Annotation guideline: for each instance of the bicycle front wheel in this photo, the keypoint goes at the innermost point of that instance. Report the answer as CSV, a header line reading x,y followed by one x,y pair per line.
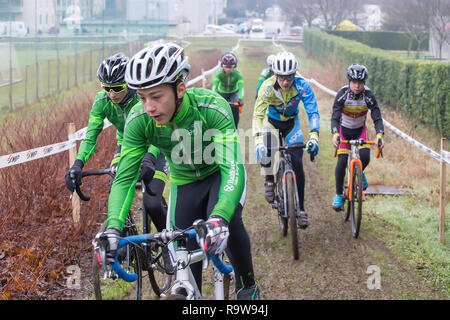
x,y
282,217
291,209
356,202
131,259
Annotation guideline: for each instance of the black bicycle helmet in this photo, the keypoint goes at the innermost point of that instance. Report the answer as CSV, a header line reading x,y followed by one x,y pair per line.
x,y
357,72
112,70
228,60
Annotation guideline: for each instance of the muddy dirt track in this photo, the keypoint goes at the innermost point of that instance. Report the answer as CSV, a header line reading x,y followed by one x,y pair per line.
x,y
332,264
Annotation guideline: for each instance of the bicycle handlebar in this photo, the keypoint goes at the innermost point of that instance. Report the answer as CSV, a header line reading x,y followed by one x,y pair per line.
x,y
165,236
294,146
360,142
99,172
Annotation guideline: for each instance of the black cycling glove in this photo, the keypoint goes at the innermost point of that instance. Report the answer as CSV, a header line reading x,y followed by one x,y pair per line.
x,y
147,169
73,176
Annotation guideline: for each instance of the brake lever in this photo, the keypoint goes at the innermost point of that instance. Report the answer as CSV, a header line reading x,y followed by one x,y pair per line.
x,y
100,241
77,188
199,228
312,157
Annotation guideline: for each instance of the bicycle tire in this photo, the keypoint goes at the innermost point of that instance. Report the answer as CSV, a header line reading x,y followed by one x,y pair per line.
x,y
159,280
282,220
345,212
176,296
135,258
226,286
291,210
356,200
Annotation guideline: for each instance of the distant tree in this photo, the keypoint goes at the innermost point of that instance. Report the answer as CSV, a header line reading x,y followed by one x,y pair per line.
x,y
440,22
300,11
334,11
237,8
411,16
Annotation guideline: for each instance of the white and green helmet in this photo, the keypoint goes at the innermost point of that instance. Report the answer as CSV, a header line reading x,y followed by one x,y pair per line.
x,y
155,65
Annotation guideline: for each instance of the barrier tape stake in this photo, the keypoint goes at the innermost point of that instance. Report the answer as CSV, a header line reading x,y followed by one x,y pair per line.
x,y
442,200
75,198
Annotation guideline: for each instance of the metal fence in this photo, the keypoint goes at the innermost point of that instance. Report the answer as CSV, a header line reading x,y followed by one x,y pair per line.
x,y
33,69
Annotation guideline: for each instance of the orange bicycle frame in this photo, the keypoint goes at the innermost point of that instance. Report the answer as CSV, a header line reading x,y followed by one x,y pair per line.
x,y
352,166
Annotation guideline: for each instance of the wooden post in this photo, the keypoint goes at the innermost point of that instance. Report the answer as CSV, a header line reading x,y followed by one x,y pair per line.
x,y
75,198
442,200
26,85
68,71
204,79
48,77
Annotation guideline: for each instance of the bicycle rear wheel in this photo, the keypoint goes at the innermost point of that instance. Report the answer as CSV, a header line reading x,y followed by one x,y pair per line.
x,y
131,259
356,203
291,209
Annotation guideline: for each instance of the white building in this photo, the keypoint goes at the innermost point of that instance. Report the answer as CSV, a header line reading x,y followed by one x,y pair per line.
x,y
192,16
38,15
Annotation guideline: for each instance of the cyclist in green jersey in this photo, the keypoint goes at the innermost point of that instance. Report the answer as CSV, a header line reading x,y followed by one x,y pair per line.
x,y
114,102
229,83
195,131
266,73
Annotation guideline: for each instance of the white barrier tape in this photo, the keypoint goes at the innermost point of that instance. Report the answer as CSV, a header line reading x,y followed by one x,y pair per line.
x,y
444,156
81,134
41,152
401,134
37,153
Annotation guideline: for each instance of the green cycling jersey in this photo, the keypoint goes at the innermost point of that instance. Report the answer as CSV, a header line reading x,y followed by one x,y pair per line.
x,y
199,141
228,83
265,74
103,108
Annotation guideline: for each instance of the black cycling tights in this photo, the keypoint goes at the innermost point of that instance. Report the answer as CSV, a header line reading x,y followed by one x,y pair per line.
x,y
231,99
341,167
154,205
196,200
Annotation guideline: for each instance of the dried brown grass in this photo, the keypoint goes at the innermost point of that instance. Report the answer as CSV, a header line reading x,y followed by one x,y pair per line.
x,y
38,237
407,165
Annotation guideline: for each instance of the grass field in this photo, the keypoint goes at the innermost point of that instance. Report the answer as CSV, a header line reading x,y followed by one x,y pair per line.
x,y
406,225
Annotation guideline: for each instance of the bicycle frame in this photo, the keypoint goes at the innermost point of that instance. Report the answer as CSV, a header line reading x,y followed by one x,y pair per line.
x,y
184,258
185,280
353,158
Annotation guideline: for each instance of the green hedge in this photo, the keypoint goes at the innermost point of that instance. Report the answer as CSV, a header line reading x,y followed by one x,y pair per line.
x,y
386,40
421,88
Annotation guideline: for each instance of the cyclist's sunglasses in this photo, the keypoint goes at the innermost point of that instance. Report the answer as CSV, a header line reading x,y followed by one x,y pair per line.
x,y
288,78
116,88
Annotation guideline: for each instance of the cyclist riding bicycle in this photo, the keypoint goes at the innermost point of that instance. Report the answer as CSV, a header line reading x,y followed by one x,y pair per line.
x,y
348,122
174,118
266,73
229,83
277,108
114,102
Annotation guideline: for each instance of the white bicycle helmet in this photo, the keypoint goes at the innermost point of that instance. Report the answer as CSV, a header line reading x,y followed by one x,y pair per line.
x,y
270,60
284,64
155,65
